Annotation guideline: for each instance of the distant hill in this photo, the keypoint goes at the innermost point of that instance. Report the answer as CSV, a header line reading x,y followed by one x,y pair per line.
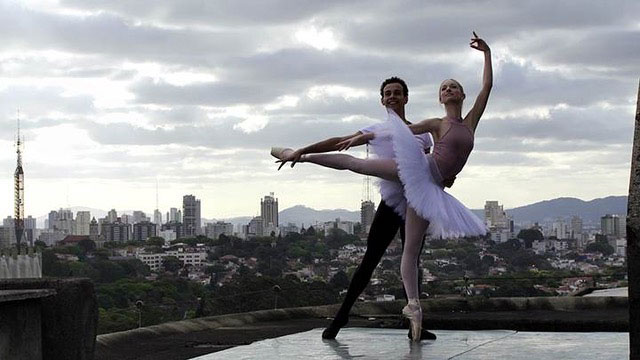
x,y
589,211
301,214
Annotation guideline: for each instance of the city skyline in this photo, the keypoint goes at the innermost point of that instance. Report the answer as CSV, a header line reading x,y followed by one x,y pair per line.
x,y
115,99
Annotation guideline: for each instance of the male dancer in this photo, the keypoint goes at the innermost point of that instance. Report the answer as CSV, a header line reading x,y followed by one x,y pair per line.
x,y
394,94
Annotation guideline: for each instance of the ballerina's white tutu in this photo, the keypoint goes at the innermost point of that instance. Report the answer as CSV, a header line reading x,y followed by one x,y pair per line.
x,y
421,181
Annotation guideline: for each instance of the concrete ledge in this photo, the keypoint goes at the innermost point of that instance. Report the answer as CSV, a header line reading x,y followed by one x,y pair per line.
x,y
17,295
213,322
69,318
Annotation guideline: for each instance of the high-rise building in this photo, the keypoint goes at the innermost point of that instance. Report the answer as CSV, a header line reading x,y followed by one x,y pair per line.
x,y
269,214
30,229
116,231
94,230
560,229
7,236
255,227
494,215
112,216
157,217
64,222
83,220
191,220
610,225
214,230
139,216
143,230
173,215
329,226
51,219
367,212
176,227
576,227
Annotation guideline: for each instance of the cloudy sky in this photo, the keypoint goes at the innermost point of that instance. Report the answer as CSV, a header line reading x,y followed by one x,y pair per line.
x,y
116,95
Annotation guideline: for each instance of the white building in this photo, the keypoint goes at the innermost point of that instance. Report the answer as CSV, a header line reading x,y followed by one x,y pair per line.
x,y
346,226
193,257
214,230
157,217
168,235
499,235
289,228
560,229
83,219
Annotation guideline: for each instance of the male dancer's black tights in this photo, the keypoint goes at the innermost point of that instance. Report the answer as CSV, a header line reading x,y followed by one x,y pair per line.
x,y
383,229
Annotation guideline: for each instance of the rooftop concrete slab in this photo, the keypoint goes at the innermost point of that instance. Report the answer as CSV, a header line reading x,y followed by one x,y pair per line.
x,y
364,343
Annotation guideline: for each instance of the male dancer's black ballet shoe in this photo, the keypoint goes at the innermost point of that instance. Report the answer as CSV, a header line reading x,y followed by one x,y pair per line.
x,y
424,335
332,330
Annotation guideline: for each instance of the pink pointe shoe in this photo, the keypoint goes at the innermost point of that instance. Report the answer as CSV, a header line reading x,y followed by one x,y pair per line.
x,y
279,152
413,312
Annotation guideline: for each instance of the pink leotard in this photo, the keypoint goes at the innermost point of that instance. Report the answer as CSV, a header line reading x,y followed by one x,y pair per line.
x,y
452,150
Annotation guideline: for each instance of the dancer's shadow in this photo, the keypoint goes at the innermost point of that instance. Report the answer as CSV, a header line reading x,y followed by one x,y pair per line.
x,y
342,350
415,351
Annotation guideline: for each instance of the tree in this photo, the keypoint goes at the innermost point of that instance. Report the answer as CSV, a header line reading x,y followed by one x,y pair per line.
x,y
340,280
154,241
601,247
108,271
171,263
86,246
134,268
488,261
529,236
310,231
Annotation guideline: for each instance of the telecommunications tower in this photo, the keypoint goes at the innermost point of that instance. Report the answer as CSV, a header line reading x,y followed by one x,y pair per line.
x,y
18,178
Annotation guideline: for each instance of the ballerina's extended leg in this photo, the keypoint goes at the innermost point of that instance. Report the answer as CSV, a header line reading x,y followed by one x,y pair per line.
x,y
382,168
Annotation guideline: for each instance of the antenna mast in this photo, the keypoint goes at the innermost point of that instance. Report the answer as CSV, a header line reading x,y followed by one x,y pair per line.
x,y
18,177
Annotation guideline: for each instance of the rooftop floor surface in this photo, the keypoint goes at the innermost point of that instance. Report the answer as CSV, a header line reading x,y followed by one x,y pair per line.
x,y
371,343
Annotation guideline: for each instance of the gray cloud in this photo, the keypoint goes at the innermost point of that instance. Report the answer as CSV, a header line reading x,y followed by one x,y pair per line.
x,y
226,13
572,124
111,35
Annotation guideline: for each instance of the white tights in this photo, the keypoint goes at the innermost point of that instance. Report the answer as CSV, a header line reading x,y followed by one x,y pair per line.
x,y
415,226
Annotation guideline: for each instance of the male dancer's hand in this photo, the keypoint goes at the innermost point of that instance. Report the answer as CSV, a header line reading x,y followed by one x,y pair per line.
x,y
294,157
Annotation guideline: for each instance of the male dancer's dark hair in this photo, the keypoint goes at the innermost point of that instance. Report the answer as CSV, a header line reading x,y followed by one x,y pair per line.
x,y
394,80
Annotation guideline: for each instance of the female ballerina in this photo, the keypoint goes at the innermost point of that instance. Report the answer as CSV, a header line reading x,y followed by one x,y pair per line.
x,y
430,209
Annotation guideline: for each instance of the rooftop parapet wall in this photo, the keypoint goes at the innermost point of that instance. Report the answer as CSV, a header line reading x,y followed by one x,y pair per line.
x,y
540,313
